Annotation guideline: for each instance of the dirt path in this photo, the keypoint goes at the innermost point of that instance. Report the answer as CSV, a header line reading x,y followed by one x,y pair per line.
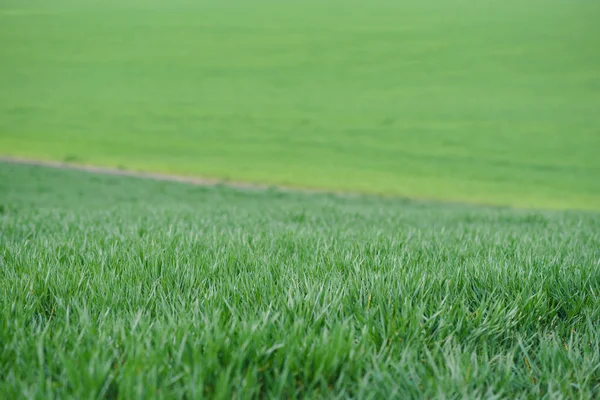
x,y
191,180
154,176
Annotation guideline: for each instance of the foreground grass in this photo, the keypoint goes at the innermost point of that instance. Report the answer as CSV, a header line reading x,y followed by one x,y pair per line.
x,y
122,288
479,101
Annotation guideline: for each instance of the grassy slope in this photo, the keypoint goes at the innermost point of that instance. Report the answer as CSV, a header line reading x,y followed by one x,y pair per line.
x,y
484,101
112,285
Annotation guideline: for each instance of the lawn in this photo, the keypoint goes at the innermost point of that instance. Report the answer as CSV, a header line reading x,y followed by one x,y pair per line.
x,y
492,102
115,287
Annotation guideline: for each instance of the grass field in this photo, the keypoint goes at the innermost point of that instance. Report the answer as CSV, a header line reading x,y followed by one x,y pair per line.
x,y
113,287
119,287
479,101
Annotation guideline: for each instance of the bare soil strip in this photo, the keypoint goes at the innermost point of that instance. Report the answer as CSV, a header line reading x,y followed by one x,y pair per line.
x,y
199,181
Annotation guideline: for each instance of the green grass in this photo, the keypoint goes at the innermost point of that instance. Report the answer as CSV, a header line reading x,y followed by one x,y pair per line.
x,y
114,287
479,101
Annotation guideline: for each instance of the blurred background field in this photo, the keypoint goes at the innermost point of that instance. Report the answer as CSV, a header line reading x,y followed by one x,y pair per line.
x,y
474,101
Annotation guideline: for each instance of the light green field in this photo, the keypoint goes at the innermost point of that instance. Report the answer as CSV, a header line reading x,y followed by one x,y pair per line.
x,y
479,101
115,287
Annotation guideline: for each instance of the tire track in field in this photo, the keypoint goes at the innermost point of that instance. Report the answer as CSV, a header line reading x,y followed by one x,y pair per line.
x,y
191,180
208,182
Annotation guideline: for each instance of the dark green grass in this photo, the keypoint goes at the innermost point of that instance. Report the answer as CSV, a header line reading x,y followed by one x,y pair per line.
x,y
480,101
114,287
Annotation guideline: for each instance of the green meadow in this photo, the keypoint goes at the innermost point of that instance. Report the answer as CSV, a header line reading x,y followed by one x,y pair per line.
x,y
115,287
494,102
450,249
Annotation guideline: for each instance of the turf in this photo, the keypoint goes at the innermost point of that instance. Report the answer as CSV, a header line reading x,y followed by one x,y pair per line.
x,y
479,101
115,287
